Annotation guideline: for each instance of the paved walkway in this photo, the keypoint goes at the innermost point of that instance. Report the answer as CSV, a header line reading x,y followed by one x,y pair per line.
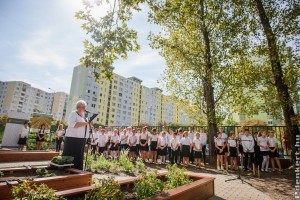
x,y
233,190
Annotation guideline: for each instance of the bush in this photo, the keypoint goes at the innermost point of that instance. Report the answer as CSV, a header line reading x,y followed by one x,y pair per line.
x,y
176,177
125,162
62,160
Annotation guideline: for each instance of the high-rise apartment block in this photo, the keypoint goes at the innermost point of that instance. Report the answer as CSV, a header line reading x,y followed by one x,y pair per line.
x,y
123,101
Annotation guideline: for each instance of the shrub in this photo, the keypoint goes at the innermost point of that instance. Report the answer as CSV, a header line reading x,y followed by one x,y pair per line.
x,y
141,167
62,160
176,177
44,172
125,162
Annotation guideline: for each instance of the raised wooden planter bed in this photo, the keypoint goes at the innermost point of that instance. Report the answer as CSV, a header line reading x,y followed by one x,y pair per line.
x,y
16,156
202,188
75,179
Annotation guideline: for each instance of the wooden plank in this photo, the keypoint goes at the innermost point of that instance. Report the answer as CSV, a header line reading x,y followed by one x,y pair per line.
x,y
15,156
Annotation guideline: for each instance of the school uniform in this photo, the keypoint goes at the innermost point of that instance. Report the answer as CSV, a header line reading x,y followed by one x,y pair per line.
x,y
41,133
102,140
143,140
220,143
149,140
137,144
263,142
248,148
163,142
241,134
114,143
94,142
191,136
232,147
169,137
132,139
203,139
123,141
198,151
272,142
174,142
154,140
23,136
186,145
224,138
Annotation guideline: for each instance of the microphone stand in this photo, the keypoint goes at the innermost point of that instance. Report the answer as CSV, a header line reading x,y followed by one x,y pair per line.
x,y
89,141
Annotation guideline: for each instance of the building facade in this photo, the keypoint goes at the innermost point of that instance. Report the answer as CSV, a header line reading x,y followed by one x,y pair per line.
x,y
122,101
22,97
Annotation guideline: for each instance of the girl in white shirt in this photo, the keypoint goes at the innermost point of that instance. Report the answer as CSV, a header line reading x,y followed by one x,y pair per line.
x,y
179,136
186,148
263,144
220,146
102,141
203,138
23,136
232,149
174,147
144,144
94,140
273,145
115,144
59,136
197,149
123,140
162,146
154,146
132,141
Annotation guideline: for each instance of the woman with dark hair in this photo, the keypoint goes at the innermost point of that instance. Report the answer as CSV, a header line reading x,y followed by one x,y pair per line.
x,y
41,137
23,136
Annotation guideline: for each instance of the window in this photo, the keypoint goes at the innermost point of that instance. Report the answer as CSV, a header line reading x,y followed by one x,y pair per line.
x,y
120,94
88,91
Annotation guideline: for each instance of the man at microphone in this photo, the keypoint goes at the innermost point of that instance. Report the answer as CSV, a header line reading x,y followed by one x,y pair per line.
x,y
248,148
76,134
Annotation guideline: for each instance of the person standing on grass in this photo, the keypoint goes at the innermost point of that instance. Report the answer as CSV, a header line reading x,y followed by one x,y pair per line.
x,y
41,137
225,139
273,145
23,136
144,144
203,139
174,147
123,139
114,148
154,146
232,150
263,144
162,147
220,146
197,144
102,141
132,140
186,148
94,140
169,137
248,149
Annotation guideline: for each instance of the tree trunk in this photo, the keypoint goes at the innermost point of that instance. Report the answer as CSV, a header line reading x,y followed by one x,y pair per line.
x,y
207,84
281,86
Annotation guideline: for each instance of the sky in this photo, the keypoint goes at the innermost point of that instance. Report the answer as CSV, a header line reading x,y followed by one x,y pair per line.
x,y
41,42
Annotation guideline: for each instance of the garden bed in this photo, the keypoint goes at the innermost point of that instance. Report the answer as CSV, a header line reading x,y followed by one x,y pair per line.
x,y
62,180
16,156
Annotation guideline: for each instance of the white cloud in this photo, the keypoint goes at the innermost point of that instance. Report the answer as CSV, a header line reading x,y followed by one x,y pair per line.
x,y
40,50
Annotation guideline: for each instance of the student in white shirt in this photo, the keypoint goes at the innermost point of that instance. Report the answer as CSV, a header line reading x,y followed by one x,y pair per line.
x,y
59,137
174,147
186,148
123,140
132,140
273,145
232,149
220,146
23,136
263,144
197,149
203,139
138,133
94,140
41,137
144,144
225,138
191,136
154,145
115,141
162,147
102,141
169,137
248,148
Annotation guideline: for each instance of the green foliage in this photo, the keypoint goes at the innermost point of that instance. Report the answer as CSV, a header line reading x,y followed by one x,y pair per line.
x,y
107,189
125,162
140,166
30,191
103,164
62,160
89,160
1,174
148,185
176,177
31,141
44,172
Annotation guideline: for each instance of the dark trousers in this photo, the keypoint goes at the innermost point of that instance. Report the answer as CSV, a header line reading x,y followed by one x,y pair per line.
x,y
170,153
58,144
75,147
204,153
93,149
191,157
246,159
174,156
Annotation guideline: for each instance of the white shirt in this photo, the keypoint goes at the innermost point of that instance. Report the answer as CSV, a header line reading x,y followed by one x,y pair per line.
x,y
160,134
174,142
144,136
138,137
264,142
203,138
224,137
241,134
150,136
197,143
232,142
272,141
102,140
76,132
154,138
131,139
219,142
169,137
179,137
115,138
163,141
24,132
191,135
60,133
185,141
123,139
94,139
248,143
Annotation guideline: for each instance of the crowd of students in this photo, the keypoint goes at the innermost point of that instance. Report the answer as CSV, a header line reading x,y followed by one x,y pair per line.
x,y
176,146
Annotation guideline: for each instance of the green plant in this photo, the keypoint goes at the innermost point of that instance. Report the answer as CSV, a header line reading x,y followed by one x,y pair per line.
x,y
44,172
62,160
102,164
105,189
125,162
176,177
30,191
89,161
148,185
141,167
1,174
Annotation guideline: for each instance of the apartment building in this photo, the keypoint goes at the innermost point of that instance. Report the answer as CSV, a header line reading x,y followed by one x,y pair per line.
x,y
59,105
122,101
22,97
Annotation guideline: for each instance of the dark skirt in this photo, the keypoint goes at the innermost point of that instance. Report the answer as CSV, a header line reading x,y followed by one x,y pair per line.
x,y
233,152
40,140
185,150
225,150
144,148
163,152
218,151
124,146
75,147
273,154
197,154
102,149
153,145
132,149
108,145
114,148
264,153
22,141
241,150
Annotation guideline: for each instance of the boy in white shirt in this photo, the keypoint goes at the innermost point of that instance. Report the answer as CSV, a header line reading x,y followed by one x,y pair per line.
x,y
174,147
248,148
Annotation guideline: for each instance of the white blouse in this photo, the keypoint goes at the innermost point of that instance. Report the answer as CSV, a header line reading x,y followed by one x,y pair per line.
x,y
154,137
197,143
132,139
24,132
219,142
60,133
174,142
203,138
272,141
232,142
264,142
144,136
102,140
114,138
191,135
122,138
185,141
163,141
76,132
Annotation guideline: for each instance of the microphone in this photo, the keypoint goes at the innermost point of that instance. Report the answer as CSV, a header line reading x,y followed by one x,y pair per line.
x,y
87,111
